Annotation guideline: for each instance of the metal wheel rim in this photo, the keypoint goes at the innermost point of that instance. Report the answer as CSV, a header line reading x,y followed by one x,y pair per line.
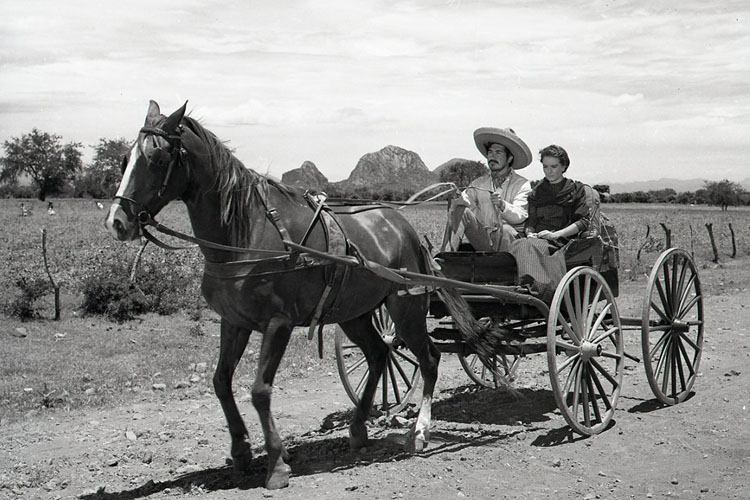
x,y
586,354
400,377
672,326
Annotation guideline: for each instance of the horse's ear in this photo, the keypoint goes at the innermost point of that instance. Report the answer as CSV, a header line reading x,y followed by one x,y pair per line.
x,y
170,126
154,113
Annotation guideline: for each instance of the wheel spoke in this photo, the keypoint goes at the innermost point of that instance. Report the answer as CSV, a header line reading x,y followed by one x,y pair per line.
x,y
664,301
667,287
684,310
585,394
611,355
602,393
403,356
660,343
572,373
688,362
607,334
605,373
586,306
592,395
572,320
661,313
592,311
566,327
394,362
690,342
394,382
567,362
356,365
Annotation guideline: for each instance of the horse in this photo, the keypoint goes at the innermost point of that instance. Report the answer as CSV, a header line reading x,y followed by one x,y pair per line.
x,y
238,218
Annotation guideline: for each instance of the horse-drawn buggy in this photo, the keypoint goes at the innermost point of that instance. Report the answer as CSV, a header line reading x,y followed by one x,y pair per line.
x,y
277,258
581,329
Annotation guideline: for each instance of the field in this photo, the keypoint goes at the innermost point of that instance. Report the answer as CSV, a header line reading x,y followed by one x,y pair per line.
x,y
95,378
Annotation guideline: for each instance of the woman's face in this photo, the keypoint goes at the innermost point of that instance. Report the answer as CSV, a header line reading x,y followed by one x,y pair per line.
x,y
553,169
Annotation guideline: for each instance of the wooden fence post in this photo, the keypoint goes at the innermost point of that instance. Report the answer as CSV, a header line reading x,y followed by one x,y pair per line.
x,y
734,244
710,229
667,234
645,241
55,286
137,259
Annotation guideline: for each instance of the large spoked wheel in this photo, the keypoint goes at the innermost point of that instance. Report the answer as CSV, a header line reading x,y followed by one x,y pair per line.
x,y
672,326
585,350
486,376
401,374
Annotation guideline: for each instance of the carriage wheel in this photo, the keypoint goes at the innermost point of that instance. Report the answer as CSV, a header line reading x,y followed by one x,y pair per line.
x,y
585,350
401,374
672,326
486,376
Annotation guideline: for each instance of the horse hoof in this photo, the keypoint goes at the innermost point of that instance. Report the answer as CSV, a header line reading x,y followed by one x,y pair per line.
x,y
358,438
416,442
279,478
241,459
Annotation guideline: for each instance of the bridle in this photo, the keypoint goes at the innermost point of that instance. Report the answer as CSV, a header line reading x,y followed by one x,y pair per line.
x,y
178,157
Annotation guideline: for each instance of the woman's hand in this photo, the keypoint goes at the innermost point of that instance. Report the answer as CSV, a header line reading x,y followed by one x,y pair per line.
x,y
548,235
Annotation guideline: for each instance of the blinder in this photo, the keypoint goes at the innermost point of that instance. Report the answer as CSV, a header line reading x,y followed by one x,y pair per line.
x,y
176,156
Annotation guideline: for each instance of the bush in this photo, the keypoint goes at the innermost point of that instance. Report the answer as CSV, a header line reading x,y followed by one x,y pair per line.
x,y
158,288
32,289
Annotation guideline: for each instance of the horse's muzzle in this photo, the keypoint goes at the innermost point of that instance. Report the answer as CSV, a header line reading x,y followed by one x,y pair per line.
x,y
118,224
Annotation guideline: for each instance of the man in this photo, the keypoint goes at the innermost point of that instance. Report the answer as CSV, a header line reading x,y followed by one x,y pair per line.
x,y
491,212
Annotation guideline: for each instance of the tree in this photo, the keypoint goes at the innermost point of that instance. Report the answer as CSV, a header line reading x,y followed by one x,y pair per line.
x,y
44,158
461,174
723,193
101,178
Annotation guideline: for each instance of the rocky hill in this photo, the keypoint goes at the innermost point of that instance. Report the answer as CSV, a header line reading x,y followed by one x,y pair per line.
x,y
389,167
306,177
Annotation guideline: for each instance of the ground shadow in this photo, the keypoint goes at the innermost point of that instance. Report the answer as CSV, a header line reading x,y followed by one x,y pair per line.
x,y
474,404
313,453
649,405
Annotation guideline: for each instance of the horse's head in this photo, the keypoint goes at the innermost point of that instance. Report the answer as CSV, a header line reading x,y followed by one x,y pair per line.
x,y
153,174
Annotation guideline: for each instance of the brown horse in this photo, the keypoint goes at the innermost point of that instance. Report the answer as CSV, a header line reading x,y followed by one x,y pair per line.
x,y
228,204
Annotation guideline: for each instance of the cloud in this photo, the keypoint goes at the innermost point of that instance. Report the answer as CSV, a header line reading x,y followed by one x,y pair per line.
x,y
624,99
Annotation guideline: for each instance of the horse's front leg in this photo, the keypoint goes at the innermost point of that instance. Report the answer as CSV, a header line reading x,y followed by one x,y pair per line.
x,y
233,343
272,349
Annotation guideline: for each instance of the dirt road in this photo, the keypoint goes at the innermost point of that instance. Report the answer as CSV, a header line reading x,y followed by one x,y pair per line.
x,y
485,444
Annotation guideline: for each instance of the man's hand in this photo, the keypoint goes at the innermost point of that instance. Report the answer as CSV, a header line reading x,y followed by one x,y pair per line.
x,y
497,201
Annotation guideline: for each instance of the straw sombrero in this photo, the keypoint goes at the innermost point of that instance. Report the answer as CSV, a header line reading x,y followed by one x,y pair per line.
x,y
486,136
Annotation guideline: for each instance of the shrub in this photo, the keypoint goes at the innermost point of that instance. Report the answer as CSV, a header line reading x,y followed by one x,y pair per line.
x,y
32,289
158,287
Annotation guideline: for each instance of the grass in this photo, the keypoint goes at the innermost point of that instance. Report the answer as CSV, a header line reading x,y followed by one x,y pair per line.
x,y
79,362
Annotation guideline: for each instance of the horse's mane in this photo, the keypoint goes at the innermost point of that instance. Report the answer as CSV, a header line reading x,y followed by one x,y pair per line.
x,y
237,185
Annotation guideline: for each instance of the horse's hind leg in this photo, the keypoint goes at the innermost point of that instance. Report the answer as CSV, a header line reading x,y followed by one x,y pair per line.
x,y
272,350
409,313
362,332
233,343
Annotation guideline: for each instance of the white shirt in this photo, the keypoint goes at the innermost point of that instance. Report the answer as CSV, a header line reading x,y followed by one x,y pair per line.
x,y
514,191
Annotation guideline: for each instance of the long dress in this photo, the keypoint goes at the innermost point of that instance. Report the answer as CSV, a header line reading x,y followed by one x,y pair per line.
x,y
541,263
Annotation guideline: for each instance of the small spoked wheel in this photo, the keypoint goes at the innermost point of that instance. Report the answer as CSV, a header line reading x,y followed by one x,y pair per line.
x,y
486,376
672,326
585,350
400,377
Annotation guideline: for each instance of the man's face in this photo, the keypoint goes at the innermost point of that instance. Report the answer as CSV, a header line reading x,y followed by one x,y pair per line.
x,y
498,159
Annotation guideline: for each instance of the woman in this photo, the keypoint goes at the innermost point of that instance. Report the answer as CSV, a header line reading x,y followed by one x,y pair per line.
x,y
557,212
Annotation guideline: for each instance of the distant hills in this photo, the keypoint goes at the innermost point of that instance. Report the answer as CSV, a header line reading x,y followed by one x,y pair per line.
x,y
679,185
394,169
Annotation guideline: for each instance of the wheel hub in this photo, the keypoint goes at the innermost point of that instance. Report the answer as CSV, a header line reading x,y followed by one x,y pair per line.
x,y
590,350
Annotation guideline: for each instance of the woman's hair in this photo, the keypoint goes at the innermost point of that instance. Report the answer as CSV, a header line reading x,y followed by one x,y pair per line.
x,y
555,152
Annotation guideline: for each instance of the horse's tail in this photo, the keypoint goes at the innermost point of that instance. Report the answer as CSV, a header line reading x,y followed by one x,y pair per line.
x,y
486,339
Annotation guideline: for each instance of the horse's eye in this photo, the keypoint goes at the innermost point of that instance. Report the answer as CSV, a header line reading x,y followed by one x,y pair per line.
x,y
124,164
159,158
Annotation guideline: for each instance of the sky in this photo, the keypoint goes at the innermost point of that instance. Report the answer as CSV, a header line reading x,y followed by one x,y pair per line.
x,y
633,90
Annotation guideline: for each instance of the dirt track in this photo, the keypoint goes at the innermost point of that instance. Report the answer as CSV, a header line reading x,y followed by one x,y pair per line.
x,y
485,444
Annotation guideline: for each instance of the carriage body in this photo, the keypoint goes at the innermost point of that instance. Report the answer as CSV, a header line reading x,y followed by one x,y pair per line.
x,y
580,330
